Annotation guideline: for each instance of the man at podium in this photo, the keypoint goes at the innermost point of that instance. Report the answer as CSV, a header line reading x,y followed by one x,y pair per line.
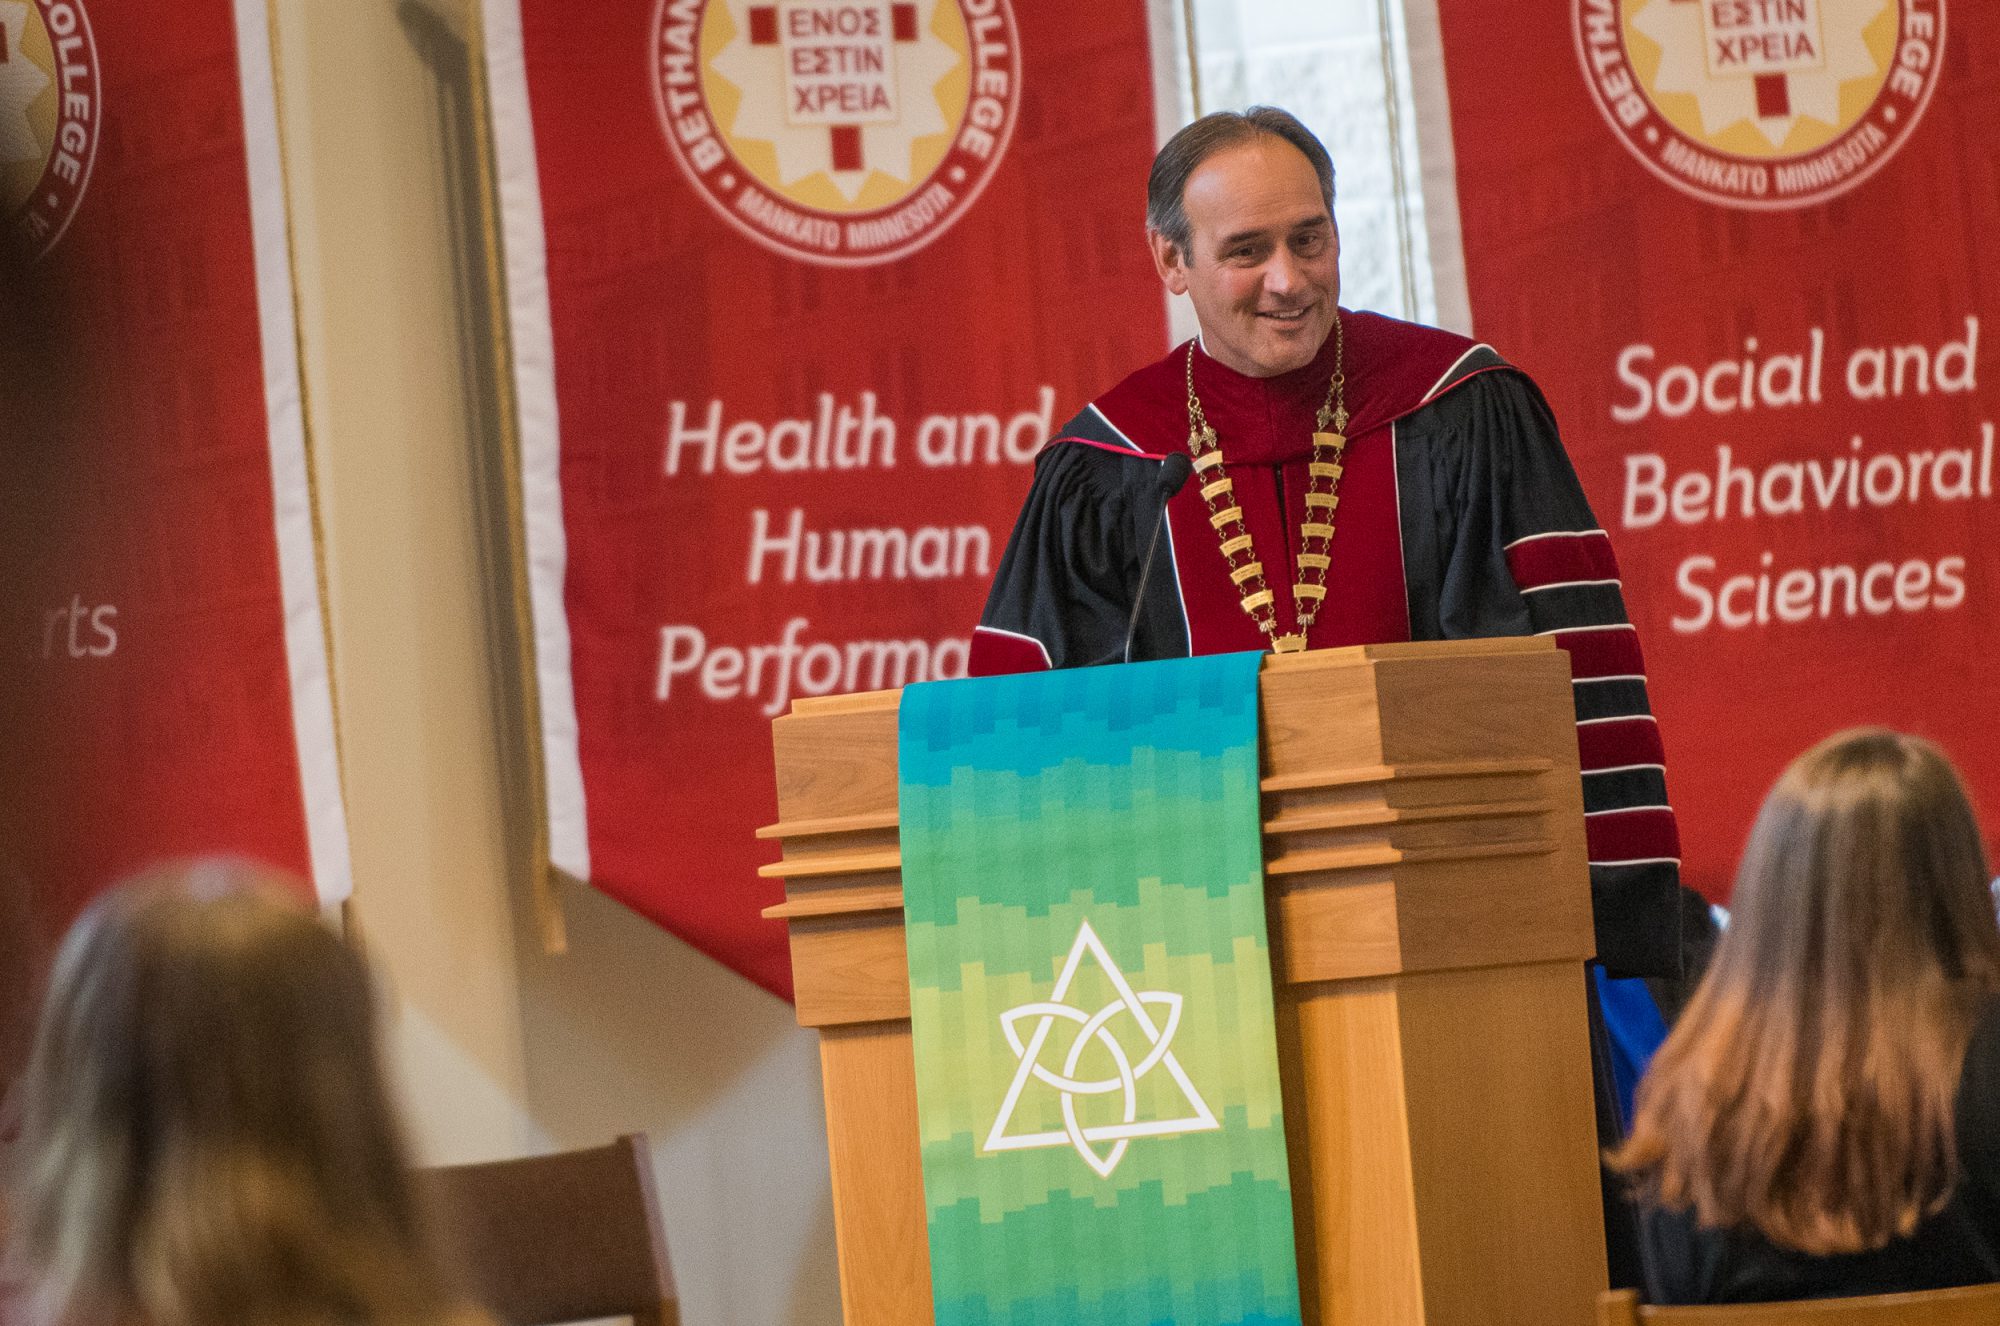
x,y
1354,480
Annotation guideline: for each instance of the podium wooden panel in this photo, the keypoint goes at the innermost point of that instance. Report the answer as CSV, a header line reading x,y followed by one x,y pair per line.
x,y
1430,914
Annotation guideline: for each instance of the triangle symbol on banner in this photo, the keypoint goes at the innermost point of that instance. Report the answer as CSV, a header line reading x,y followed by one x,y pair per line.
x,y
1155,1014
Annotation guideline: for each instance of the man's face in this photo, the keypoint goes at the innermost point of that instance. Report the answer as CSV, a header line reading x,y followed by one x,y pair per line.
x,y
1264,263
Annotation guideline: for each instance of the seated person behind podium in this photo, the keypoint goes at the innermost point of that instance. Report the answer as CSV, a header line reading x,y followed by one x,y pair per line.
x,y
207,1137
1825,1118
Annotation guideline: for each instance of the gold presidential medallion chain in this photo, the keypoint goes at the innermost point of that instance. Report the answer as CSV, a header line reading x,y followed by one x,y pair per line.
x,y
1239,554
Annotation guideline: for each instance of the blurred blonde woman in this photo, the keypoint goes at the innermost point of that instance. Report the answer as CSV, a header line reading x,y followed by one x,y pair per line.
x,y
207,1139
1825,1118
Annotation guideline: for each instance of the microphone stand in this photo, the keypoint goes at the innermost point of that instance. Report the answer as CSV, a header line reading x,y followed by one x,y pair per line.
x,y
1174,473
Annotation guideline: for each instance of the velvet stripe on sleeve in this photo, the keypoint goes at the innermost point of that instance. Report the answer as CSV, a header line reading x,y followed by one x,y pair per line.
x,y
1522,553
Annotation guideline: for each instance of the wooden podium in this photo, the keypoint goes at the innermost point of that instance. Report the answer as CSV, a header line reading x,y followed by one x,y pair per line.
x,y
1429,919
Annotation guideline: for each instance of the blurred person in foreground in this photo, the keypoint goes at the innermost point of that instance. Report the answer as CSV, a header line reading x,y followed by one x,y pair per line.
x,y
207,1138
1825,1118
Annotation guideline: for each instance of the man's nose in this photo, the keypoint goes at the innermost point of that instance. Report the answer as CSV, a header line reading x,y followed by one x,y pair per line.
x,y
1281,273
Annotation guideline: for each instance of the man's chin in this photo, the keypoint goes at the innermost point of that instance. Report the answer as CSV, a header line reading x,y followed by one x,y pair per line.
x,y
1286,348
1288,353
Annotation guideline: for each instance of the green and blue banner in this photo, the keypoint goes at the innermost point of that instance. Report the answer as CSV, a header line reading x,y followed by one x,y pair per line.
x,y
1090,993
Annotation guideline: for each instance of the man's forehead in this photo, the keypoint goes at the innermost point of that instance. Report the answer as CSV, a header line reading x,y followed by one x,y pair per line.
x,y
1259,185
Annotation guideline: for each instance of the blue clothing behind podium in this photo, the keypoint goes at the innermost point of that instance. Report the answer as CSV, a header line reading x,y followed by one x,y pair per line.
x,y
1636,1030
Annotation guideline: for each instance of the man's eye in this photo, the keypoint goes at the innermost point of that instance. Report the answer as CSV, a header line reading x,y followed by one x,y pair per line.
x,y
1312,243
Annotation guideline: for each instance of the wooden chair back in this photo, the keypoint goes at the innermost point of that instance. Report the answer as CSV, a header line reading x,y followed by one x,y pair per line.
x,y
568,1237
1974,1305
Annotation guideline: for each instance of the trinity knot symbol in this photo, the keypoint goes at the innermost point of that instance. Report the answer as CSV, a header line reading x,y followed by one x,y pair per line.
x,y
844,132
1761,103
49,114
1153,1017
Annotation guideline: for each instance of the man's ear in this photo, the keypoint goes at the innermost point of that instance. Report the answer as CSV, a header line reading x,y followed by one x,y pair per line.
x,y
1168,262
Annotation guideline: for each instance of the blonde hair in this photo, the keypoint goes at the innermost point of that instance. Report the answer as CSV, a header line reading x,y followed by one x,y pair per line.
x,y
1808,1090
207,1136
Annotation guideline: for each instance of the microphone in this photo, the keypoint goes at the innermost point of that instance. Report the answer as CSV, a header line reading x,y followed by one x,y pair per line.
x,y
1175,471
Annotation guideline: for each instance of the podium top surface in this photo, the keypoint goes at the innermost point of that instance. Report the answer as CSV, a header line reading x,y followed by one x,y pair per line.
x,y
1274,664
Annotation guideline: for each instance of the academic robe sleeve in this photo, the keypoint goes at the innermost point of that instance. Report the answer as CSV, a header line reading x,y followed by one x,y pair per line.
x,y
1524,555
1062,595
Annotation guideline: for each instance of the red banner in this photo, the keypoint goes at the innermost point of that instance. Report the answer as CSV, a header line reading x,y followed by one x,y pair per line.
x,y
165,681
1745,247
799,289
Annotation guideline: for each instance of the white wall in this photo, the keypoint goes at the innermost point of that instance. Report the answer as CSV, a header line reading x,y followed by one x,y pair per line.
x,y
1323,60
501,1048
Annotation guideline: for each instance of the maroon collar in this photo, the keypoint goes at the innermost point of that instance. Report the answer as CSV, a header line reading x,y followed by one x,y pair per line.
x,y
1262,421
1392,368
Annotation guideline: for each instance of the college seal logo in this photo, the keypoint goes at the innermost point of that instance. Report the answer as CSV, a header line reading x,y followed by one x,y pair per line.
x,y
844,132
50,108
1761,103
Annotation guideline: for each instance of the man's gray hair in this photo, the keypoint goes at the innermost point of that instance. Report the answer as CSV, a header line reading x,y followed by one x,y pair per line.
x,y
1166,186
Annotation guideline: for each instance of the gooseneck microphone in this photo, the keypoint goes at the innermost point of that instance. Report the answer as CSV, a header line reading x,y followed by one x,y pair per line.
x,y
1173,476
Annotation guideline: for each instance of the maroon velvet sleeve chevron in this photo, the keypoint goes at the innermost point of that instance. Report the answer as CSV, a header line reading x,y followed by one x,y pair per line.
x,y
1605,744
1540,561
1603,651
1640,833
1569,579
1563,565
997,653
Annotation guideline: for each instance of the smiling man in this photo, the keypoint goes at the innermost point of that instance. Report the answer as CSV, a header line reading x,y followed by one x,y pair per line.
x,y
1356,480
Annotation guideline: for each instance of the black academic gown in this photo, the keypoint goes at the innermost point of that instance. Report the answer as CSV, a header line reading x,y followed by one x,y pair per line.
x,y
1460,516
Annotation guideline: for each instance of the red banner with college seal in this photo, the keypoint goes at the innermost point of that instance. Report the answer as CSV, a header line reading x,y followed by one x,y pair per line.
x,y
798,289
1744,247
163,677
